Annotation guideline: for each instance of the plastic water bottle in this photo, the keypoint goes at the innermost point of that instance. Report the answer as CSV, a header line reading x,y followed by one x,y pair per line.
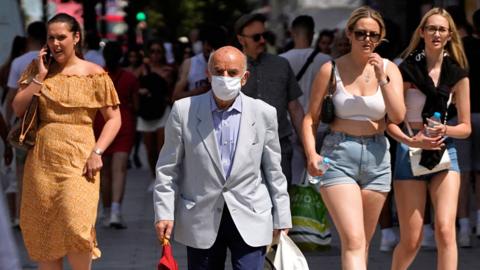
x,y
437,118
322,166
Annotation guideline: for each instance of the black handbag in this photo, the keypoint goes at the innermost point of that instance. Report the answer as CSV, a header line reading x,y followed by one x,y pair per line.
x,y
24,133
327,114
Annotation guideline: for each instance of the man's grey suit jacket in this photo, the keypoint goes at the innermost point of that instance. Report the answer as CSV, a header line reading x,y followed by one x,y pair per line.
x,y
191,188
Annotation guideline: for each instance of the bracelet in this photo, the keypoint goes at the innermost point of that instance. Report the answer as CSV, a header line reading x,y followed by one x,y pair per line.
x,y
445,132
97,151
34,80
384,82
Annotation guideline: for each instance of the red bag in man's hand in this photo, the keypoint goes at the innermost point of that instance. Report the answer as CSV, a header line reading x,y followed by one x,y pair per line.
x,y
167,262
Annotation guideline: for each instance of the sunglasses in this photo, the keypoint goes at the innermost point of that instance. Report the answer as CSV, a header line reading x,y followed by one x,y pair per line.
x,y
256,37
431,29
362,35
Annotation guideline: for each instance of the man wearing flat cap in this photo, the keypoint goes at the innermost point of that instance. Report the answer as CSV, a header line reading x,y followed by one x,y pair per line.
x,y
271,80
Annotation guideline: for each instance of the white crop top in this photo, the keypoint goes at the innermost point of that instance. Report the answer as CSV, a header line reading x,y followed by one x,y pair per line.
x,y
414,102
361,108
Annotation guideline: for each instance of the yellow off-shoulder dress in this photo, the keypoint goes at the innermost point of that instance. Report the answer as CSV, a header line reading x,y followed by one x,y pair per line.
x,y
59,204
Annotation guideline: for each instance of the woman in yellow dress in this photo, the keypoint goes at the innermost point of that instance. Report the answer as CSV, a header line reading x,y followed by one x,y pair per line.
x,y
61,180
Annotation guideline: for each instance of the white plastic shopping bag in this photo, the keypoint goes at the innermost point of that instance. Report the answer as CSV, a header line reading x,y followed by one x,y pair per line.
x,y
288,256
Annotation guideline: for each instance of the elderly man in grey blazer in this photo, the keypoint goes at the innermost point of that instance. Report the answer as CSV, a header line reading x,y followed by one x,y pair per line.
x,y
219,180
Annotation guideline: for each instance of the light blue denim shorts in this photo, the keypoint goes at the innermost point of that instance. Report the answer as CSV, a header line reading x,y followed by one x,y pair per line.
x,y
361,160
403,169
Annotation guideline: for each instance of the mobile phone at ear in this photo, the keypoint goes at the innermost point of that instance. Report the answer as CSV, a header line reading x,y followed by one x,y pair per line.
x,y
47,57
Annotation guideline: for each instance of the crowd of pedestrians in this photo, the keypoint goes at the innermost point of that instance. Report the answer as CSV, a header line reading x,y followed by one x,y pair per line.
x,y
228,130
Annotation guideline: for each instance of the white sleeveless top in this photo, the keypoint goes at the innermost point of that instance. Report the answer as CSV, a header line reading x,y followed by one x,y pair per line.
x,y
360,108
414,102
198,71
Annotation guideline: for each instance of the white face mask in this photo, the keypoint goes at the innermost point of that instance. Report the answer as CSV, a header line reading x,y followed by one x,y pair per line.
x,y
226,88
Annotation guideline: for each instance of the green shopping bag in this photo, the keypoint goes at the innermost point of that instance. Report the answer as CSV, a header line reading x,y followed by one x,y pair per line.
x,y
310,230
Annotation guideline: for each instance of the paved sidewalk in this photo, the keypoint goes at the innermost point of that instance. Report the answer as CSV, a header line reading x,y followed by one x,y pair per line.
x,y
136,248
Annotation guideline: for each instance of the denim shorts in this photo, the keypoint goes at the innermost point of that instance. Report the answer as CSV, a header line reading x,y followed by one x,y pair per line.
x,y
361,160
403,170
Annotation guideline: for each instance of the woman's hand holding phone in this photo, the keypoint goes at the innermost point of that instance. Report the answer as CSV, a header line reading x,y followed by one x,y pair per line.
x,y
44,57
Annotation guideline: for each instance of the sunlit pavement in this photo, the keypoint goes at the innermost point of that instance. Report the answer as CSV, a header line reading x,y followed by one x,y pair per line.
x,y
136,247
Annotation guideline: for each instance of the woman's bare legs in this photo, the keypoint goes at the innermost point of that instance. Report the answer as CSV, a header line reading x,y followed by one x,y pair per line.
x,y
410,198
52,265
344,203
444,188
80,261
373,202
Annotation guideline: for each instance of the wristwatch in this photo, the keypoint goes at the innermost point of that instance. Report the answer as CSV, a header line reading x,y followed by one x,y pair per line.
x,y
384,81
98,151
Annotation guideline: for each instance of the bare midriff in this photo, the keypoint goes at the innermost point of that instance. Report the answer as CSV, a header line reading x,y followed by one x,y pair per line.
x,y
358,128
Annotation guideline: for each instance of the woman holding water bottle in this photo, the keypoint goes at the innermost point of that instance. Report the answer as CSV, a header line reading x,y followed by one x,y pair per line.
x,y
434,74
368,88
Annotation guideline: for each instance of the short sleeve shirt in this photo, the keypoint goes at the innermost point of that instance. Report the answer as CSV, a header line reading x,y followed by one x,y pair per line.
x,y
272,80
297,59
19,64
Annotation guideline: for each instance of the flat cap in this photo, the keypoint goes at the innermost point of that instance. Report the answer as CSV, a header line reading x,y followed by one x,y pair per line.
x,y
246,20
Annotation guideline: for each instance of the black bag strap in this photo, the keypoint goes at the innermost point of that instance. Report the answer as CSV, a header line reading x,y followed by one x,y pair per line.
x,y
307,64
332,83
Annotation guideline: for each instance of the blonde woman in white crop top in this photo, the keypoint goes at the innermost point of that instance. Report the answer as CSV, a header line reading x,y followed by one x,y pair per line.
x,y
369,89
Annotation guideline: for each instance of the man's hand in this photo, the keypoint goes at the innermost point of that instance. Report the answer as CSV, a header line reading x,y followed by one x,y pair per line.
x,y
164,229
276,234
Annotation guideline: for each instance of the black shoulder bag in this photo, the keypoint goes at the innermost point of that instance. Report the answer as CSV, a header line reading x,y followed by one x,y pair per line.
x,y
306,65
328,109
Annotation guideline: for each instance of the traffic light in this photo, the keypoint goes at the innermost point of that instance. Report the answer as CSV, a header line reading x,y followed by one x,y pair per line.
x,y
141,16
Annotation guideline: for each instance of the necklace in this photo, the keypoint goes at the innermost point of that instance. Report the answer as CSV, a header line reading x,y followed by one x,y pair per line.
x,y
366,76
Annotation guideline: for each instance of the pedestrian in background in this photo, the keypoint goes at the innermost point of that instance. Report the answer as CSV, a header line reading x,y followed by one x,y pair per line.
x,y
468,150
36,38
115,157
305,62
134,64
19,47
61,183
341,44
434,68
9,259
154,102
368,89
192,79
325,41
271,80
219,181
93,51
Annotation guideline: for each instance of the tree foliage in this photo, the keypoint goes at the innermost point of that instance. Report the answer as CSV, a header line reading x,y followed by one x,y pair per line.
x,y
178,17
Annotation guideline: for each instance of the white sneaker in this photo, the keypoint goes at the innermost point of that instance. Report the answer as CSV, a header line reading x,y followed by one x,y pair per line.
x,y
388,243
16,223
428,240
116,221
464,239
105,218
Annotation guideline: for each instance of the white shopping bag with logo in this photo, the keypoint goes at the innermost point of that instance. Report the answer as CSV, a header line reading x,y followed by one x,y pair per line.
x,y
288,256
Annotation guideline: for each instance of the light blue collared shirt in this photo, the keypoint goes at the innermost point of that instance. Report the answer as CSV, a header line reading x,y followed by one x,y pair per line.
x,y
226,124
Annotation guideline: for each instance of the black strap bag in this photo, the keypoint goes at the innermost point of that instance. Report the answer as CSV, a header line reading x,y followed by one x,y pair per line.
x,y
327,114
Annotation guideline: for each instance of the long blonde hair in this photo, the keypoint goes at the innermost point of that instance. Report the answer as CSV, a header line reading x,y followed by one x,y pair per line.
x,y
454,47
366,12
